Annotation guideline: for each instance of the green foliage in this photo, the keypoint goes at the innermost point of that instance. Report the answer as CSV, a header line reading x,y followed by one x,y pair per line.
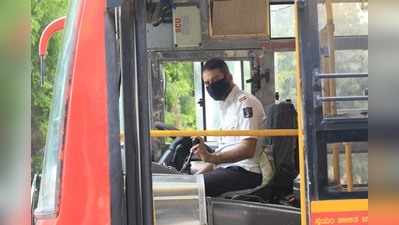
x,y
285,75
43,12
179,94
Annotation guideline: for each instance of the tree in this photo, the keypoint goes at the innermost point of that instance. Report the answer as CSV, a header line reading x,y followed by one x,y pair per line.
x,y
179,94
43,12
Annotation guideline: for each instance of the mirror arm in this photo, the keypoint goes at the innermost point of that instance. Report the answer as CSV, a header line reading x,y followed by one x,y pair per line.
x,y
48,32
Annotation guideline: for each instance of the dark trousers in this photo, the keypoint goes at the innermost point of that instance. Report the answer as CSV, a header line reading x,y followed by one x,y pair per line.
x,y
228,179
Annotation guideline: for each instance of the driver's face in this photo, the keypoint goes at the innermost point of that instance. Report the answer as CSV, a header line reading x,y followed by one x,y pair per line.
x,y
211,76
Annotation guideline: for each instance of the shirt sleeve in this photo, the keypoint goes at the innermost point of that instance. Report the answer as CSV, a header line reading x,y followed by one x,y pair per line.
x,y
251,116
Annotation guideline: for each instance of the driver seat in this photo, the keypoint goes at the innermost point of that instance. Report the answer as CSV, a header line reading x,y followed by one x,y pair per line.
x,y
267,174
285,159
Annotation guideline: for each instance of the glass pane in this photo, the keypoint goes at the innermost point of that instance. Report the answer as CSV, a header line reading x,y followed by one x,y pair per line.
x,y
359,164
247,76
352,61
50,183
180,105
285,83
235,70
350,18
282,21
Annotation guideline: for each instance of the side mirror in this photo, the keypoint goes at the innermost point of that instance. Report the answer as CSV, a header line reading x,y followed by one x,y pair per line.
x,y
48,32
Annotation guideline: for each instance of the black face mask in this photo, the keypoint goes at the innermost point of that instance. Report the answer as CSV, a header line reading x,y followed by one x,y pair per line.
x,y
219,90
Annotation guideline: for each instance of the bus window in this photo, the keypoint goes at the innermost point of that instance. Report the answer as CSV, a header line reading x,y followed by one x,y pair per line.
x,y
349,171
350,18
247,75
284,64
282,20
344,55
352,61
179,95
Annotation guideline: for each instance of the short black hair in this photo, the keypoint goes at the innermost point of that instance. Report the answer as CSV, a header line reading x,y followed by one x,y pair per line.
x,y
217,63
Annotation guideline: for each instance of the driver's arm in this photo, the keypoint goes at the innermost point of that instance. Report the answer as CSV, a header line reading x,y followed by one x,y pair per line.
x,y
244,150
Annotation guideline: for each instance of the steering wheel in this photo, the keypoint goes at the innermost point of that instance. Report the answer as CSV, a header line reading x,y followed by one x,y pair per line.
x,y
178,155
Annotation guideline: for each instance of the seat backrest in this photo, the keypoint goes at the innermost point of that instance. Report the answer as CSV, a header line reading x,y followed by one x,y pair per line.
x,y
284,116
284,151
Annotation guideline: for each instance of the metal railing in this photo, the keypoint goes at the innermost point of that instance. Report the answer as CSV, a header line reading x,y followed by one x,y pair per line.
x,y
340,75
343,98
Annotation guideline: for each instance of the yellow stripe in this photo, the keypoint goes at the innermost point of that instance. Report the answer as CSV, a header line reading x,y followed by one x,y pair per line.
x,y
340,205
219,133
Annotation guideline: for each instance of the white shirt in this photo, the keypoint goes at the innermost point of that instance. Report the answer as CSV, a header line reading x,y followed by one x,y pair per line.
x,y
241,111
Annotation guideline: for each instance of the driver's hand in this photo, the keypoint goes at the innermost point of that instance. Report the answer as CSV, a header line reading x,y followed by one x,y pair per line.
x,y
201,151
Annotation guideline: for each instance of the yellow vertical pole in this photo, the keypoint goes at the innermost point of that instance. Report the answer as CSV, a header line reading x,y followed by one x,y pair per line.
x,y
331,84
325,67
301,137
336,165
331,58
348,167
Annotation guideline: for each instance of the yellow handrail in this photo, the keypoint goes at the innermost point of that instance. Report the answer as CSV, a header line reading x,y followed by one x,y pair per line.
x,y
219,133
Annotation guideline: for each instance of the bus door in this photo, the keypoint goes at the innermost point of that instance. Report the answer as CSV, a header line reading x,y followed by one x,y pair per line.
x,y
333,54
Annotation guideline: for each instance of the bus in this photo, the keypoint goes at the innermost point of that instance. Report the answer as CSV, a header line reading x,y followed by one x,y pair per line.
x,y
128,64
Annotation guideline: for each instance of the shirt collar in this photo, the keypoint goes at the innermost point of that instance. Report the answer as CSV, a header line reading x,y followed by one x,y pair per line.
x,y
232,96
